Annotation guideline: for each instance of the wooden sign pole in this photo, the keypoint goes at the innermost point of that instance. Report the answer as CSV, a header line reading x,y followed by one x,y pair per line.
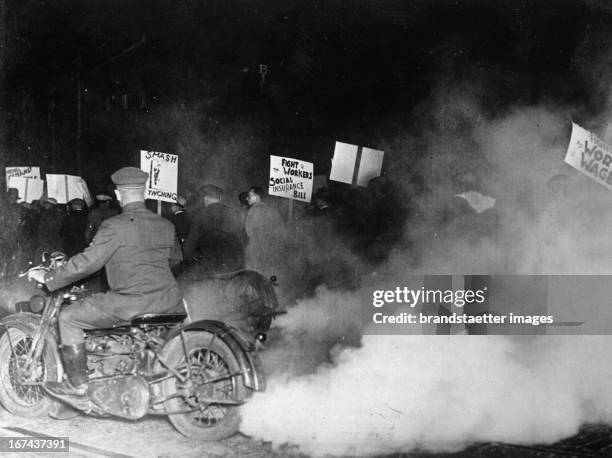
x,y
66,187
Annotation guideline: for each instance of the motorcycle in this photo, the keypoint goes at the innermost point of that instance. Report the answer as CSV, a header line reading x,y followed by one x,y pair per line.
x,y
196,373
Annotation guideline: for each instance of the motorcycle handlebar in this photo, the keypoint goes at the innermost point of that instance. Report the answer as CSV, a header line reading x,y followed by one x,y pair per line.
x,y
31,269
50,262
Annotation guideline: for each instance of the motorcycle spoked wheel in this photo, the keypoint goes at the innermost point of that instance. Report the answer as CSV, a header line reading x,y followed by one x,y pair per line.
x,y
18,399
209,358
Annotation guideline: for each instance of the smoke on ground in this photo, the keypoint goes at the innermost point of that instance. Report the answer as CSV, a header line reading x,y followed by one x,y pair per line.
x,y
399,393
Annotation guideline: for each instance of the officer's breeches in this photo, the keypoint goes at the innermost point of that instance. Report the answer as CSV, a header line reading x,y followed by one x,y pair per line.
x,y
81,315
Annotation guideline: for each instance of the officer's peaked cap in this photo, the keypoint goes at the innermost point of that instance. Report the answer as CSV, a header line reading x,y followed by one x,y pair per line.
x,y
129,177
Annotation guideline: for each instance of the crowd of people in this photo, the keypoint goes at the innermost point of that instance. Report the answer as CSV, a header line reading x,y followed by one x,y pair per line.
x,y
29,229
218,237
311,244
213,234
221,233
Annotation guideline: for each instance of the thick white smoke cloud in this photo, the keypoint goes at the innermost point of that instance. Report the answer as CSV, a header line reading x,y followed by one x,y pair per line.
x,y
311,331
399,393
537,225
543,202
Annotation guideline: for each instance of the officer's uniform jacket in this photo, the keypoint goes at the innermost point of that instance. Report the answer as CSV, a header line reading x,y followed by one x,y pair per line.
x,y
137,247
96,216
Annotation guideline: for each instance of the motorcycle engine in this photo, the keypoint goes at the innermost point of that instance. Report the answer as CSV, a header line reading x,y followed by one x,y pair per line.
x,y
114,387
112,355
125,396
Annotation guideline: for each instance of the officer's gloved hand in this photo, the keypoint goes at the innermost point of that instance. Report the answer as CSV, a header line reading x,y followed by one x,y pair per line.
x,y
38,275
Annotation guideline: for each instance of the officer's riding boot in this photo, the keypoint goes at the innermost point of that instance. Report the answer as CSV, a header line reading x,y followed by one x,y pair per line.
x,y
74,358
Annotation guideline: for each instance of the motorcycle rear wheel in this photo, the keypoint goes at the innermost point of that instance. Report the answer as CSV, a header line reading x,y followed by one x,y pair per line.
x,y
209,358
20,399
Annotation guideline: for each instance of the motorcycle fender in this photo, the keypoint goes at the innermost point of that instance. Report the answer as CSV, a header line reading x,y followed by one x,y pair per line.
x,y
247,359
29,322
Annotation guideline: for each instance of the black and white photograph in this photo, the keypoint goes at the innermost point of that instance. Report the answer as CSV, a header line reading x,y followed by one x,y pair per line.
x,y
306,228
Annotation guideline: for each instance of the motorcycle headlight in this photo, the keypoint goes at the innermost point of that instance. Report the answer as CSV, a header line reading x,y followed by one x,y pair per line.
x,y
37,303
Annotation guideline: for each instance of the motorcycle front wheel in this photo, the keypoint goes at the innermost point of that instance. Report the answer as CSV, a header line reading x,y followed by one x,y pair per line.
x,y
25,397
210,374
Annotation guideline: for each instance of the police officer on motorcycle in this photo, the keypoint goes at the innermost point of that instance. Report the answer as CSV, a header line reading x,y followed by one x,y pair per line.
x,y
137,248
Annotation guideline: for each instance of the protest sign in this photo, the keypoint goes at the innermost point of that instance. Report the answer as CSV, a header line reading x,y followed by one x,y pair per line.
x,y
290,178
343,163
21,171
29,188
64,188
162,168
370,165
590,155
353,164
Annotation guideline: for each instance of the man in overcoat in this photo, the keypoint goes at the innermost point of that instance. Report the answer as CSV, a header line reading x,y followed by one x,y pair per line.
x,y
266,234
216,236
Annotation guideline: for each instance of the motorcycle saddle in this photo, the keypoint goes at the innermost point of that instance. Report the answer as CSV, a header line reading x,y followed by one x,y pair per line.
x,y
145,319
154,319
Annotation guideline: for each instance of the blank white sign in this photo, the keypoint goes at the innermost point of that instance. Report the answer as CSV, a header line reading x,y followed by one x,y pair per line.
x,y
343,163
370,165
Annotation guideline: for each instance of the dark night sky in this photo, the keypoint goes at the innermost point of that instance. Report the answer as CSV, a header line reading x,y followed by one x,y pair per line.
x,y
337,70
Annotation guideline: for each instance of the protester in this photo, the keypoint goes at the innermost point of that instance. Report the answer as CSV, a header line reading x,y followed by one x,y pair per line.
x,y
11,225
180,218
51,218
73,227
216,237
243,201
266,234
31,220
102,211
320,204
